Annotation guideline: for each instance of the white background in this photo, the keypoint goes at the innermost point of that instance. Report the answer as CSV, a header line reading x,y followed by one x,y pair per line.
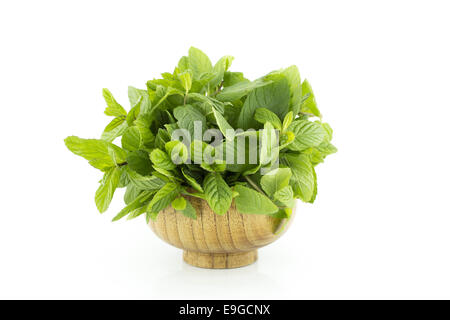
x,y
380,227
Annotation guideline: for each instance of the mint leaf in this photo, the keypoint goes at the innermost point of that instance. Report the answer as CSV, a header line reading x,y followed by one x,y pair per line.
x,y
274,97
100,154
250,201
217,192
293,77
275,180
163,197
105,192
148,183
307,134
286,196
161,160
113,107
132,139
264,115
179,204
189,211
309,104
114,129
223,125
219,70
190,180
187,115
240,89
199,62
302,180
139,161
140,201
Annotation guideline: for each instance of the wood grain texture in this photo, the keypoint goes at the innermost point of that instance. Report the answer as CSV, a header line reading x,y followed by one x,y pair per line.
x,y
214,241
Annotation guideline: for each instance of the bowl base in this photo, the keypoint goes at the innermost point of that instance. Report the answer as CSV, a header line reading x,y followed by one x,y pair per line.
x,y
220,260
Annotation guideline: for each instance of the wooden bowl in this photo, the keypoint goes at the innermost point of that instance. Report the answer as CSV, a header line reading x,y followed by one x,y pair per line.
x,y
214,241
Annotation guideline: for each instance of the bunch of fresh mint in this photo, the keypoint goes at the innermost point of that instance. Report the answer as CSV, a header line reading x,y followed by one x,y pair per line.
x,y
207,132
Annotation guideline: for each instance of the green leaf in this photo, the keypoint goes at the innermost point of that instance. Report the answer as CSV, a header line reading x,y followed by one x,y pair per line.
x,y
223,125
139,161
265,115
135,204
309,104
161,160
293,77
240,89
269,145
189,211
286,196
191,181
131,193
186,116
275,180
186,80
113,107
199,62
163,197
217,192
108,186
100,154
114,129
179,204
132,139
274,97
148,183
219,70
307,134
287,120
302,180
250,201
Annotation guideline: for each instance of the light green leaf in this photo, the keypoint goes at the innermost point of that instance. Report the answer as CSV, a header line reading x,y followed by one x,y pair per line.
x,y
217,192
274,96
275,180
161,160
163,197
287,120
186,80
286,196
100,154
187,115
223,125
309,104
132,139
265,115
139,161
179,204
192,181
293,77
114,129
199,62
140,201
250,201
302,180
177,151
131,193
113,107
240,89
189,211
219,70
307,134
108,186
148,183
269,145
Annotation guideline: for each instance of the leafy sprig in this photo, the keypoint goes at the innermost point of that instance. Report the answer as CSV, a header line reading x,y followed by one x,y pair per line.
x,y
219,99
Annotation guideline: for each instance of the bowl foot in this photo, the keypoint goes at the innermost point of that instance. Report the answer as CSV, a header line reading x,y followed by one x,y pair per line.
x,y
220,260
